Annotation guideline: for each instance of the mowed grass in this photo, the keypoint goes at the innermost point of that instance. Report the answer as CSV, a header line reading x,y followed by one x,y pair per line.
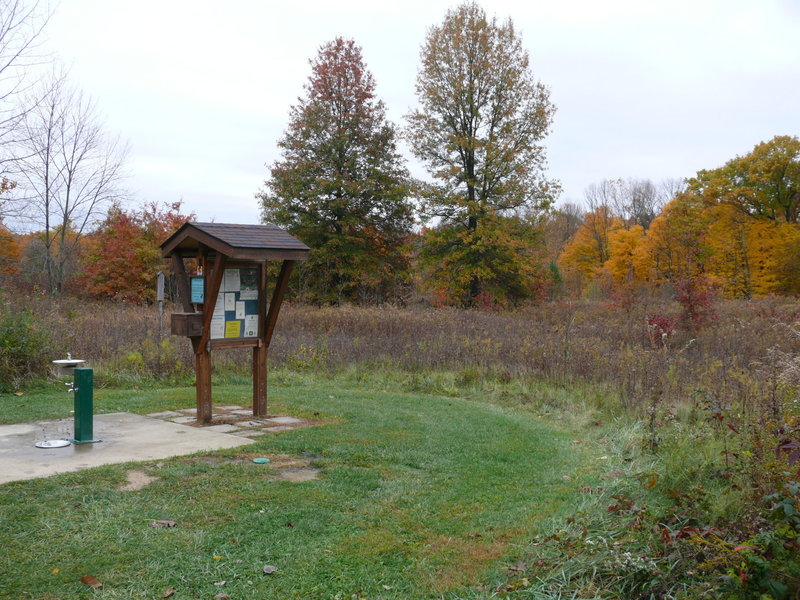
x,y
418,496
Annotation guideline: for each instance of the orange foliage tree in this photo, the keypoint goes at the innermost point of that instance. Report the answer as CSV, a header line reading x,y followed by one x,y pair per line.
x,y
9,252
122,257
589,248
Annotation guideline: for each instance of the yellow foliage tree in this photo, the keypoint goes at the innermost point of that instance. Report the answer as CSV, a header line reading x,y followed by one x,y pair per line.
x,y
627,262
589,248
676,246
728,238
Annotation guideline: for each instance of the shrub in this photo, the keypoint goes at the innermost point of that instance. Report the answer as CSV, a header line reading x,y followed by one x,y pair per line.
x,y
696,296
26,349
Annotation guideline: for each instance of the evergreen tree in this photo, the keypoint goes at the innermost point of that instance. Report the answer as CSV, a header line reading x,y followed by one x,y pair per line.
x,y
341,185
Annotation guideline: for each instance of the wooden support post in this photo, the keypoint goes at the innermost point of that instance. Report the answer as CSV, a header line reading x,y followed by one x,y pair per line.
x,y
202,366
265,334
277,300
260,381
260,351
202,354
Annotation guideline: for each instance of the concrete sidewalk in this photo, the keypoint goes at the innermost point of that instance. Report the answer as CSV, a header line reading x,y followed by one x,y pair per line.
x,y
125,437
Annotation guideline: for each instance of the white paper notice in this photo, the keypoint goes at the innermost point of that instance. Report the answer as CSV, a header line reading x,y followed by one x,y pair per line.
x,y
248,295
231,281
240,310
230,301
217,328
251,326
218,318
219,307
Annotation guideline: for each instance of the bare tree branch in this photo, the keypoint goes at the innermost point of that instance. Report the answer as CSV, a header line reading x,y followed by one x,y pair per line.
x,y
67,169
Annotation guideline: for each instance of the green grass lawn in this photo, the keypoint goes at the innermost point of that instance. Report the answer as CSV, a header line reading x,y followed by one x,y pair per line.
x,y
418,496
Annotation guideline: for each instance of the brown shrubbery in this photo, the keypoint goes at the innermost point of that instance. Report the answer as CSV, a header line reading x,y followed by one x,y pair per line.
x,y
739,357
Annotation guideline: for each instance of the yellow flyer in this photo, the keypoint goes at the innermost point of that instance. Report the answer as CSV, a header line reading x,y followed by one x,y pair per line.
x,y
233,329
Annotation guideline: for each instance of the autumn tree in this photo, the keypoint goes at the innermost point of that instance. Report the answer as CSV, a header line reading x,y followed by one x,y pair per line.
x,y
559,225
9,252
67,170
122,256
479,130
507,261
763,184
589,249
627,261
341,185
676,242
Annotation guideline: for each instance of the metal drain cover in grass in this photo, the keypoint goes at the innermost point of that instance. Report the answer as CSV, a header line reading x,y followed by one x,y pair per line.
x,y
52,444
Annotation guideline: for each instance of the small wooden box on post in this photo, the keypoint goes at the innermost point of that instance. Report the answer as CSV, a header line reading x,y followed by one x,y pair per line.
x,y
227,306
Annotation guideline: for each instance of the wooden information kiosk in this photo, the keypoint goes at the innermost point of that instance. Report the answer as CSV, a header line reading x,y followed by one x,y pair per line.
x,y
225,304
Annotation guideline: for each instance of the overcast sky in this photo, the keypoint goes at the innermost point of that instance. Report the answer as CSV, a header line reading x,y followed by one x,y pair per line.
x,y
654,89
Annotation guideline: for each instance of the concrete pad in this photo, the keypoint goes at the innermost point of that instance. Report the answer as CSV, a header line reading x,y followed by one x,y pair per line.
x,y
164,414
182,420
229,408
250,432
125,437
285,420
222,428
188,411
242,411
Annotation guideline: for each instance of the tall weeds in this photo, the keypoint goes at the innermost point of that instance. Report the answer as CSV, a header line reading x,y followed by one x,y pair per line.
x,y
739,358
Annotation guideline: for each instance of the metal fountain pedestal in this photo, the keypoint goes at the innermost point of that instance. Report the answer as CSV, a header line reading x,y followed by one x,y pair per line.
x,y
83,388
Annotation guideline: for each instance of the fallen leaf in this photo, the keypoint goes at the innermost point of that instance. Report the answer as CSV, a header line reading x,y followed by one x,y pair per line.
x,y
269,569
54,571
217,557
221,596
290,525
220,583
521,566
650,481
163,523
19,393
91,581
386,587
169,592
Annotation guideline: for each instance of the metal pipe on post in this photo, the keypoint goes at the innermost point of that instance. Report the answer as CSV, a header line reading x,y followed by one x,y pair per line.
x,y
160,299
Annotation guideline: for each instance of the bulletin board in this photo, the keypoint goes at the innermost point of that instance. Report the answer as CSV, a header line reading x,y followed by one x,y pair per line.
x,y
236,310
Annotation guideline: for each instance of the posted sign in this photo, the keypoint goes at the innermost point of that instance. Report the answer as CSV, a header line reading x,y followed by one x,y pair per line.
x,y
236,312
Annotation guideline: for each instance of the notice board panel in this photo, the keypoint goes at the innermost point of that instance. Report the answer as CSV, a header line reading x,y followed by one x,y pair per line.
x,y
236,312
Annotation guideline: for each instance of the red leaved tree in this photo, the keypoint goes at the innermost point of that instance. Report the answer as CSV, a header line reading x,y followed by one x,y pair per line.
x,y
122,257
